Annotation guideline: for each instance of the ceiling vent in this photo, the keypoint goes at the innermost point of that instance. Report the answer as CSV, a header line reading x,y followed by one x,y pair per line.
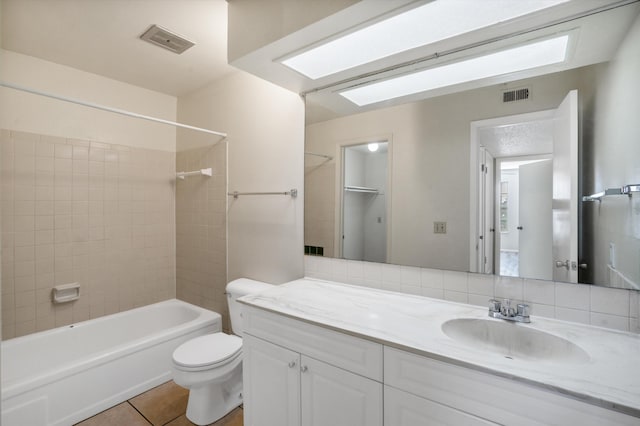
x,y
515,95
164,38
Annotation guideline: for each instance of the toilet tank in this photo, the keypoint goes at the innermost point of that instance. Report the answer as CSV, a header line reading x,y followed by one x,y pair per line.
x,y
238,288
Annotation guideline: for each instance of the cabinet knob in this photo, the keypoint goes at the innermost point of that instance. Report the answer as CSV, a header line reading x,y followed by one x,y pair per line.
x,y
292,364
304,369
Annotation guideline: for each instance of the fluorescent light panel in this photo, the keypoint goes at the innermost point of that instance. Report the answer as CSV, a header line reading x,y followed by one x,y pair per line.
x,y
417,27
520,58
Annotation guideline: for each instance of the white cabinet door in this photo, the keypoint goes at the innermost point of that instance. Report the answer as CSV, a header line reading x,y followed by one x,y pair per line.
x,y
404,409
334,397
271,376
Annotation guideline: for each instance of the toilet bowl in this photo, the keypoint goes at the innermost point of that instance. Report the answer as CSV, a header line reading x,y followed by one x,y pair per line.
x,y
210,366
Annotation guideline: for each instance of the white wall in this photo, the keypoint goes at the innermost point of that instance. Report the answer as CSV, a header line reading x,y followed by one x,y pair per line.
x,y
430,163
617,153
265,124
31,113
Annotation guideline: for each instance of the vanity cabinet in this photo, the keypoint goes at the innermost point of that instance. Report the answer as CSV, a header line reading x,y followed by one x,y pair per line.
x,y
303,375
296,373
487,396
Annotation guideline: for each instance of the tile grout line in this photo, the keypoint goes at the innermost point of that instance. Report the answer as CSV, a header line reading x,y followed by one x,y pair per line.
x,y
138,411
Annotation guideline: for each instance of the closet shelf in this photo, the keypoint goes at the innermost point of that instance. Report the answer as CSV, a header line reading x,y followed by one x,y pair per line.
x,y
364,189
625,190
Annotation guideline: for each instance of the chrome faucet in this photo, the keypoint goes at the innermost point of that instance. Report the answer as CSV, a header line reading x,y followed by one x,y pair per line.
x,y
505,311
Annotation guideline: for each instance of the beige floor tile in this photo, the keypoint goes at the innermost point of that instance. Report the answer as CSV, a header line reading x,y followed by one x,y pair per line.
x,y
162,404
234,418
122,414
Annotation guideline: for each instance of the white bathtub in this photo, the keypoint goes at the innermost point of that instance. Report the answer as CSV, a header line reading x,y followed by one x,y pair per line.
x,y
64,375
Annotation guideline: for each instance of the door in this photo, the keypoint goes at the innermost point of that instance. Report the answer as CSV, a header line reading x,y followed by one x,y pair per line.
x,y
335,397
565,190
486,226
271,384
535,227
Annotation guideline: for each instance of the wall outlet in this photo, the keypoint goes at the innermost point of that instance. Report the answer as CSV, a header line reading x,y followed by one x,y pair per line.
x,y
439,227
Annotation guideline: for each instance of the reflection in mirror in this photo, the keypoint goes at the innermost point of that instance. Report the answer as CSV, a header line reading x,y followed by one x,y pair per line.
x,y
433,175
364,207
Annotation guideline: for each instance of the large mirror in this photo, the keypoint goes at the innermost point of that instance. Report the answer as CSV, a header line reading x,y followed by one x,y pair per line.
x,y
461,168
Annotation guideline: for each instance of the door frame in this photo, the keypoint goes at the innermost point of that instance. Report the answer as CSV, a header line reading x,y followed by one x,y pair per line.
x,y
475,204
339,188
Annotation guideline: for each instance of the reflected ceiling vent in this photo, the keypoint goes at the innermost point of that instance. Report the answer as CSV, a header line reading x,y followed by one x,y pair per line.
x,y
515,95
165,38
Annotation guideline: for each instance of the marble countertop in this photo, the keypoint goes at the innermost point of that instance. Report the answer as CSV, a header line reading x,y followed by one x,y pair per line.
x,y
610,378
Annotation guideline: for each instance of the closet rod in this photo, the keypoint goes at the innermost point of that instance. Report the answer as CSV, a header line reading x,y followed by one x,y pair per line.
x,y
328,157
109,109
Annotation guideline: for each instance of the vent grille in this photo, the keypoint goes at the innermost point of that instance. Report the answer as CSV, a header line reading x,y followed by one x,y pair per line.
x,y
515,95
164,38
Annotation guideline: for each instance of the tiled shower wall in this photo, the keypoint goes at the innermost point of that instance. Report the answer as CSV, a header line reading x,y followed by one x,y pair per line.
x,y
588,304
201,239
98,214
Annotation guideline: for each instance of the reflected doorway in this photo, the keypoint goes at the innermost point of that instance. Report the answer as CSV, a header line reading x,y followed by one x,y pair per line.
x,y
364,201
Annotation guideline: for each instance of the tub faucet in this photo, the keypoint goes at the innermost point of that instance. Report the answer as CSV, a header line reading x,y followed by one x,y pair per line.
x,y
505,311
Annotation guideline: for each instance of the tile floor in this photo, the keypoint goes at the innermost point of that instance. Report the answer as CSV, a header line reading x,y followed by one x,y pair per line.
x,y
164,405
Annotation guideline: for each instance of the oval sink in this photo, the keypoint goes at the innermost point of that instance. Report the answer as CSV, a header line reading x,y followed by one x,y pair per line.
x,y
513,341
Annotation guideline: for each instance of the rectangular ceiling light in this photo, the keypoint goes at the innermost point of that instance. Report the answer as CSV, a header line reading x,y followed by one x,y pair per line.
x,y
434,21
516,59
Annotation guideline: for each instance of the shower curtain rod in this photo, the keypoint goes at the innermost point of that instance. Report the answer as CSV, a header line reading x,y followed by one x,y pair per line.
x,y
109,109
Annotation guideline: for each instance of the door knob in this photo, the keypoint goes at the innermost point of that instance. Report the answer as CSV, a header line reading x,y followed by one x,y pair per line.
x,y
304,368
561,264
292,364
519,228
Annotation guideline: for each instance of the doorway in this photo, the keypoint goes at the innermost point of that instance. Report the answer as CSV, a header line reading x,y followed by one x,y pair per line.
x,y
534,158
364,201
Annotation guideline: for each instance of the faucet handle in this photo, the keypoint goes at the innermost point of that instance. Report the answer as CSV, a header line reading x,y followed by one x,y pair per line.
x,y
523,310
494,305
506,308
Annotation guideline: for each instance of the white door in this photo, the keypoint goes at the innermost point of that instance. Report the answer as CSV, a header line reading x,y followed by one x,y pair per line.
x,y
535,227
565,190
489,224
271,384
335,397
486,192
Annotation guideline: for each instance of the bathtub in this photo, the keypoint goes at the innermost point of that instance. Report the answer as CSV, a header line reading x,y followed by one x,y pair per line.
x,y
65,375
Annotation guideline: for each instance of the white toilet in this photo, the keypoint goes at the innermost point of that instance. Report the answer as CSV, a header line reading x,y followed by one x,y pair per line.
x,y
210,366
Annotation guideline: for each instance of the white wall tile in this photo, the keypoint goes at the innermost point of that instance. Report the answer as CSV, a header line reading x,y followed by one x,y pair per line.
x,y
541,310
610,321
478,300
339,270
431,278
391,274
609,301
456,296
573,315
538,291
455,281
434,293
481,284
373,272
509,288
634,300
574,296
410,275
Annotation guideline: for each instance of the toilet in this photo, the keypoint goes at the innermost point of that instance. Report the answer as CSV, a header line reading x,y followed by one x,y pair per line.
x,y
210,366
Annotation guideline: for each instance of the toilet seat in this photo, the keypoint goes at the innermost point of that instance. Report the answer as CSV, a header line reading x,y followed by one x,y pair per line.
x,y
208,351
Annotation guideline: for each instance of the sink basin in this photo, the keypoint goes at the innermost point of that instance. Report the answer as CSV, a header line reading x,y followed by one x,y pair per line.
x,y
513,341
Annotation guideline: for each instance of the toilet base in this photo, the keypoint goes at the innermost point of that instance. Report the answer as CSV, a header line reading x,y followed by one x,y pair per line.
x,y
212,401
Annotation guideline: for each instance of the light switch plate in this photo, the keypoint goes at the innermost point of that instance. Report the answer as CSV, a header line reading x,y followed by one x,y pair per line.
x,y
439,227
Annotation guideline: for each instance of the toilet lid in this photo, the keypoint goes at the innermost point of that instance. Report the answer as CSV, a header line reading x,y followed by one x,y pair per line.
x,y
207,350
